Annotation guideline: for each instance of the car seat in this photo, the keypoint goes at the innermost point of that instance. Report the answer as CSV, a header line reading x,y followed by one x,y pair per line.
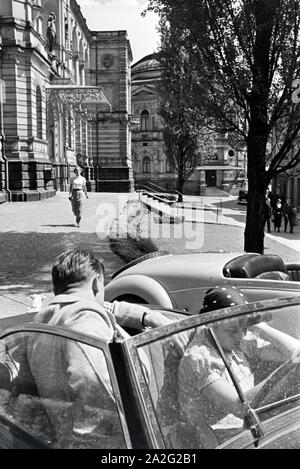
x,y
293,269
274,275
253,265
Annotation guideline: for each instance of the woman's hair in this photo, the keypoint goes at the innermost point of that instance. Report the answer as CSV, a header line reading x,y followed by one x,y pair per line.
x,y
222,297
74,267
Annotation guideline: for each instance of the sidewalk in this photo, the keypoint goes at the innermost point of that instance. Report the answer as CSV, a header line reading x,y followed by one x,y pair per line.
x,y
200,209
32,234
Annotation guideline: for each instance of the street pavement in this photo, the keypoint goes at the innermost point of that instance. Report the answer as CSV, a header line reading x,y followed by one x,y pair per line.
x,y
32,234
224,210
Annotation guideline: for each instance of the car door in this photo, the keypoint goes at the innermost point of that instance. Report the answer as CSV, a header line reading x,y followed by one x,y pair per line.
x,y
179,412
58,389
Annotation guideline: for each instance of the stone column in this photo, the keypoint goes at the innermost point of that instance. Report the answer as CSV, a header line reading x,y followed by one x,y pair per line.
x,y
78,135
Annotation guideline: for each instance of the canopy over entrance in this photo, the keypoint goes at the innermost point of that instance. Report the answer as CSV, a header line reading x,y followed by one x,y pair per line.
x,y
223,167
83,100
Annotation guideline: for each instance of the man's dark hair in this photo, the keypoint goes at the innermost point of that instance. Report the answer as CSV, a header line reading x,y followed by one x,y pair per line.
x,y
74,267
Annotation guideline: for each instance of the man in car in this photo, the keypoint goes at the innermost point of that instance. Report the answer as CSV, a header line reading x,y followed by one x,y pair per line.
x,y
67,371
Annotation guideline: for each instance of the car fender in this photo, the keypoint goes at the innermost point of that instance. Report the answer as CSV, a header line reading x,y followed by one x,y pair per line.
x,y
142,286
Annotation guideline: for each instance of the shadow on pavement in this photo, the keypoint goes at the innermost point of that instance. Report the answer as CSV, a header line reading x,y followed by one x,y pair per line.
x,y
27,258
232,204
65,226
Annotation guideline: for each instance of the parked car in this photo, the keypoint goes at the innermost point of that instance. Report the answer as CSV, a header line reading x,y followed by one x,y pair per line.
x,y
271,420
243,193
180,280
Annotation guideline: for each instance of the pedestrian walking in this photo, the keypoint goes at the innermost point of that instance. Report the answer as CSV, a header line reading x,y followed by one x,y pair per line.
x,y
277,216
285,210
77,190
290,214
267,215
273,199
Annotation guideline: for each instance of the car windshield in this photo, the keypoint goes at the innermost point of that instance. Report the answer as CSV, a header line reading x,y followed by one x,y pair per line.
x,y
232,376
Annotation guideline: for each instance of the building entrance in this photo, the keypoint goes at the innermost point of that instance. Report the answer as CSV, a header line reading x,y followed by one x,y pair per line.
x,y
211,177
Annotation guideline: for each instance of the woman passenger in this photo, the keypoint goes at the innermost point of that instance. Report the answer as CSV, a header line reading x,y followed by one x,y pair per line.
x,y
207,396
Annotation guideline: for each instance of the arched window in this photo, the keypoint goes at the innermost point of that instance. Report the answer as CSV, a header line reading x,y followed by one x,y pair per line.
x,y
39,113
145,119
146,165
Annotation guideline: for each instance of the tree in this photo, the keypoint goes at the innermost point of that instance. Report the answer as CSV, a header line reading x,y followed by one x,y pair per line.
x,y
245,59
181,133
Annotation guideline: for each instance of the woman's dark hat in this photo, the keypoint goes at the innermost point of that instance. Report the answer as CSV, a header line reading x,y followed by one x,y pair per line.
x,y
222,297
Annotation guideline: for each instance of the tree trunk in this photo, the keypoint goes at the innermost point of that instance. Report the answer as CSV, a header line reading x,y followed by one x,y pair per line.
x,y
180,184
258,129
254,231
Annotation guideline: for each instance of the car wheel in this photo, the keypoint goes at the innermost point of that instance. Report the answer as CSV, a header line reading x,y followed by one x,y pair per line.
x,y
151,255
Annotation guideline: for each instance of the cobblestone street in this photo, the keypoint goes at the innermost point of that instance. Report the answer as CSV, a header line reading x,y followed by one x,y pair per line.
x,y
32,234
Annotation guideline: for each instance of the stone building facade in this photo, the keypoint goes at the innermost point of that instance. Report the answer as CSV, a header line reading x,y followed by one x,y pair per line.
x,y
110,69
51,68
149,161
288,184
220,165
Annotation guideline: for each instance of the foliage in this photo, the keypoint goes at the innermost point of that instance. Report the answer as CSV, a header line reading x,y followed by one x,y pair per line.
x,y
244,58
176,90
126,236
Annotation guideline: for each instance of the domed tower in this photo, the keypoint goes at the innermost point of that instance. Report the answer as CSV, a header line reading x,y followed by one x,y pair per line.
x,y
149,160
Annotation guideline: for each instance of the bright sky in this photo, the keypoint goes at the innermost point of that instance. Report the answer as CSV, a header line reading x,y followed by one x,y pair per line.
x,y
108,15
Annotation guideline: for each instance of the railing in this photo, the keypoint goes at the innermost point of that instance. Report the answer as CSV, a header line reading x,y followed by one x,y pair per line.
x,y
150,192
150,185
166,199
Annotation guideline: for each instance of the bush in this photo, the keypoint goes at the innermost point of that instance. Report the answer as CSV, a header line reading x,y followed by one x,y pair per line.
x,y
125,235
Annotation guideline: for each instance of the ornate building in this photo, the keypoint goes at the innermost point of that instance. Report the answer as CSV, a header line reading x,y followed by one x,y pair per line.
x,y
220,165
65,100
148,150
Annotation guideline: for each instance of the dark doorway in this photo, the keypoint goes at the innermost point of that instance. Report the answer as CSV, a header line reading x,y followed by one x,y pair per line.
x,y
211,177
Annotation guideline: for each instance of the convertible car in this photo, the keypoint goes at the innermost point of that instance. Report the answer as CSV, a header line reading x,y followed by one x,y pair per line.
x,y
154,403
180,281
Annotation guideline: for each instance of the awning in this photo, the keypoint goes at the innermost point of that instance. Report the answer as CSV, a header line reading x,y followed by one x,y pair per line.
x,y
223,167
78,98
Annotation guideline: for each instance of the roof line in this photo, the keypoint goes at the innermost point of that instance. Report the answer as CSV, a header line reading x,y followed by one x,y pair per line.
x,y
154,55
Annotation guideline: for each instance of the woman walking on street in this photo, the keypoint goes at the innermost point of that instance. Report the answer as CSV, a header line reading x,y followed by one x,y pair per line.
x,y
77,189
